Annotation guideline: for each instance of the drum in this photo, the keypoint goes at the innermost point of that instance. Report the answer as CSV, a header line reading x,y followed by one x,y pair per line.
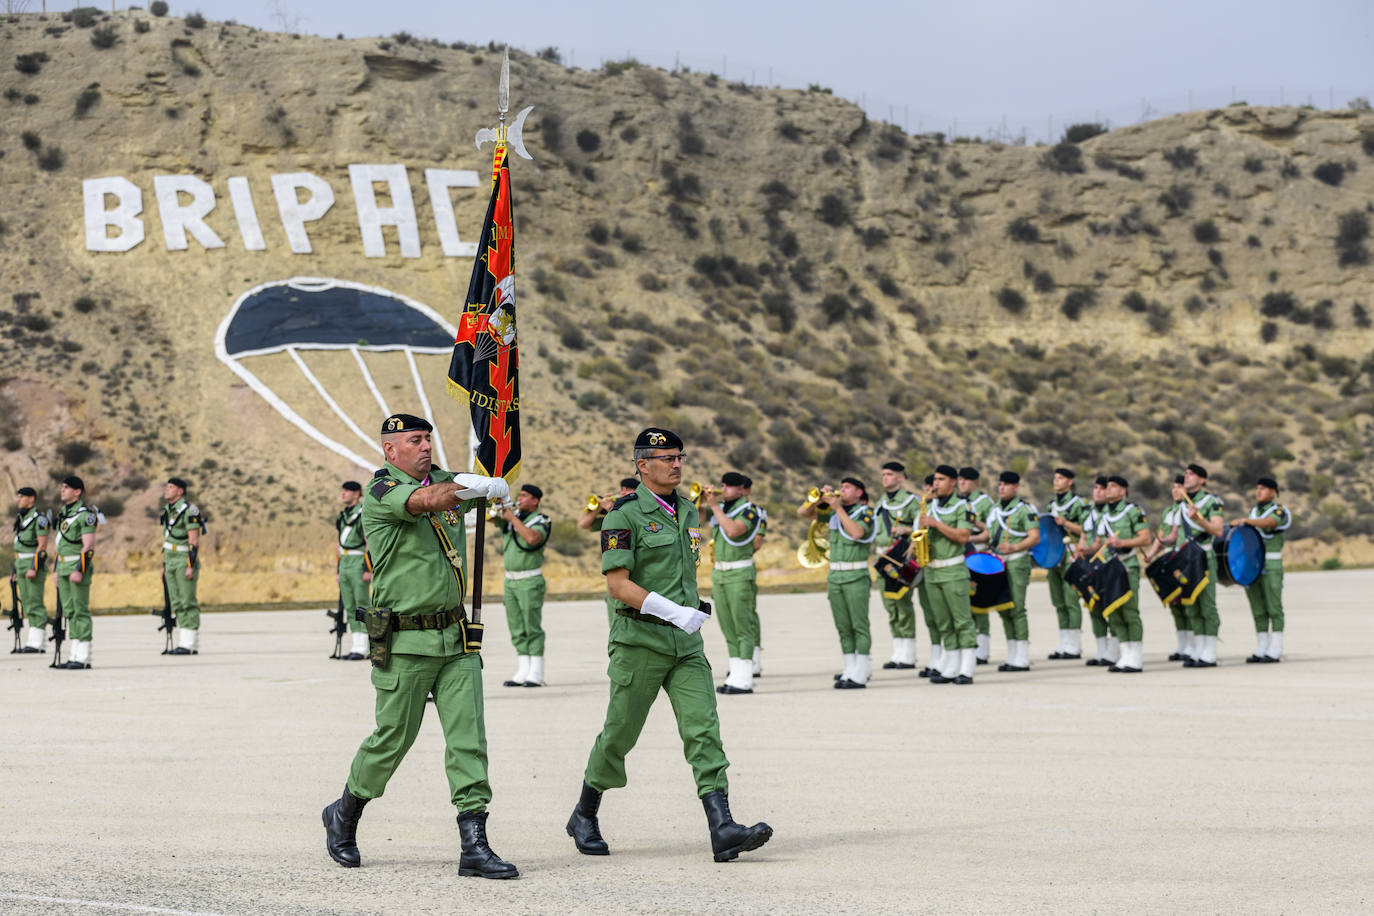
x,y
1112,583
899,570
1161,576
1190,572
990,585
1080,576
1244,555
1049,553
1220,544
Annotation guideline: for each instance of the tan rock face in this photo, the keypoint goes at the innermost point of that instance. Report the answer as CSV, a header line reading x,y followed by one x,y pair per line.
x,y
802,292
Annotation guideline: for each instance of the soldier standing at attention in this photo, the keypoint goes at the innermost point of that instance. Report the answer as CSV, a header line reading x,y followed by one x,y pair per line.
x,y
980,504
1068,509
758,545
1202,522
650,546
30,561
524,535
847,585
1265,594
76,526
355,566
181,527
950,524
896,516
1108,648
937,650
734,588
1012,531
1167,536
1122,525
413,519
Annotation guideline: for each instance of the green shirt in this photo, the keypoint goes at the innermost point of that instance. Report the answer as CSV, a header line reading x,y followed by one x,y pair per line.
x,y
953,511
72,522
518,555
29,526
845,549
349,526
1010,522
1125,520
1172,521
410,572
178,519
731,550
1069,506
1273,537
980,504
896,508
1208,505
660,551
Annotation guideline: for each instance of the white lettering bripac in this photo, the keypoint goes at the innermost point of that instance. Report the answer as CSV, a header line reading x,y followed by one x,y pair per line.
x,y
295,213
124,217
371,218
179,219
245,214
439,181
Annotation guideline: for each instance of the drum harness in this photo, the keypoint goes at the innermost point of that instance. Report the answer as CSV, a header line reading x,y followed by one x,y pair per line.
x,y
998,517
1267,534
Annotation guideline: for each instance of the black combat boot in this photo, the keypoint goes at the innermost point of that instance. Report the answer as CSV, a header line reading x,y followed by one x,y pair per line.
x,y
729,839
583,826
341,829
477,860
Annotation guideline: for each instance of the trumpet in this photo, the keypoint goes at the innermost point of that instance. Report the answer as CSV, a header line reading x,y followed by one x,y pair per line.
x,y
696,491
598,503
494,509
920,540
816,494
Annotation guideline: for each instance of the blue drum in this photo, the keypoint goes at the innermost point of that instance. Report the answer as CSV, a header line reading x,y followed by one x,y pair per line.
x,y
1245,554
1049,553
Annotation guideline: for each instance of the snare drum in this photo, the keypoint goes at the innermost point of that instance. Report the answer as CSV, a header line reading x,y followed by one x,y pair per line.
x,y
990,587
1223,564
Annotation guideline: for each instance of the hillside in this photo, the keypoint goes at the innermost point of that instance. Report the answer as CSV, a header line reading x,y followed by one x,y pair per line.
x,y
801,292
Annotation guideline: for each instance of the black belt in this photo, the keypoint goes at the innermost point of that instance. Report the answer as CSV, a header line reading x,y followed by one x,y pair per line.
x,y
640,615
440,621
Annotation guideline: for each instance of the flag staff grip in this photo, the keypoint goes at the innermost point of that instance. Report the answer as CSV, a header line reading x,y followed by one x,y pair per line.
x,y
479,550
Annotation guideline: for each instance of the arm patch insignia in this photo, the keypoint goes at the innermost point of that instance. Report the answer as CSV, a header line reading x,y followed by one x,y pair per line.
x,y
380,486
615,539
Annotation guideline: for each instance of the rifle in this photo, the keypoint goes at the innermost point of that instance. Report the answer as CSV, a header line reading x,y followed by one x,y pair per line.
x,y
15,620
168,620
59,633
339,628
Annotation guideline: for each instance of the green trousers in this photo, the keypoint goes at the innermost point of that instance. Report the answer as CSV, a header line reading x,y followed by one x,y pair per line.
x,y
982,625
1266,598
849,607
181,590
1203,618
734,601
31,598
354,591
1065,601
1180,616
931,627
950,607
76,604
1014,624
402,688
637,674
1125,621
525,614
901,614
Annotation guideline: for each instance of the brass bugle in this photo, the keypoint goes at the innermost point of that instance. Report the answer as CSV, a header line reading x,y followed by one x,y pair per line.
x,y
816,494
594,503
494,509
696,491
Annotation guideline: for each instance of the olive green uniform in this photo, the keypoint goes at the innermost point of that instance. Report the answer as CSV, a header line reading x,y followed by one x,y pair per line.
x,y
660,551
1126,520
1012,521
735,590
1169,525
353,563
1265,594
980,505
1203,616
847,586
525,586
178,520
72,523
947,587
1067,506
413,577
29,526
894,509
758,624
597,524
1107,648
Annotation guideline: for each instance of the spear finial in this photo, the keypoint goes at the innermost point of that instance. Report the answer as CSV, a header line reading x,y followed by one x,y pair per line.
x,y
502,135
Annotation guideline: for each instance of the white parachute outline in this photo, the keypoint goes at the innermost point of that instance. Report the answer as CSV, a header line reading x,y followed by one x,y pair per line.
x,y
319,284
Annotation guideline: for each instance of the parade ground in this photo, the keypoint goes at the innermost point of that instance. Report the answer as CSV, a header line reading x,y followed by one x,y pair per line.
x,y
154,784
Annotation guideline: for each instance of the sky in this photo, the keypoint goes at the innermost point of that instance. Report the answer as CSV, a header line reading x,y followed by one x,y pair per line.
x,y
989,68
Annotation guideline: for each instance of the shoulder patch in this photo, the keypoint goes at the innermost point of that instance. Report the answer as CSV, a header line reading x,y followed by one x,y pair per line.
x,y
380,486
89,520
623,500
615,539
42,522
380,472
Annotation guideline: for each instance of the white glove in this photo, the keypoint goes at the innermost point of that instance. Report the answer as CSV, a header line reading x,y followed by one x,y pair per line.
x,y
475,486
687,619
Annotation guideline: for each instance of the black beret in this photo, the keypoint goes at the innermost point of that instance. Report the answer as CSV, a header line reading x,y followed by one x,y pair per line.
x,y
26,491
1119,481
1269,482
946,470
179,482
1178,478
1100,481
1009,477
968,473
532,490
353,485
656,437
748,481
930,479
895,466
856,482
629,483
404,423
76,483
1065,472
733,479
1199,470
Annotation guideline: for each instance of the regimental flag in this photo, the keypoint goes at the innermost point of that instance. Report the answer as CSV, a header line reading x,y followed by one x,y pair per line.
x,y
484,372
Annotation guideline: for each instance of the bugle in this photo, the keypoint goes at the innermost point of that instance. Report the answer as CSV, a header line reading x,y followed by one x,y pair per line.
x,y
696,491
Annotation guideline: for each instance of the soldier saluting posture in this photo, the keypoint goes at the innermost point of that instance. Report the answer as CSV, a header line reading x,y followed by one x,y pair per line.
x,y
650,544
181,527
413,519
30,558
